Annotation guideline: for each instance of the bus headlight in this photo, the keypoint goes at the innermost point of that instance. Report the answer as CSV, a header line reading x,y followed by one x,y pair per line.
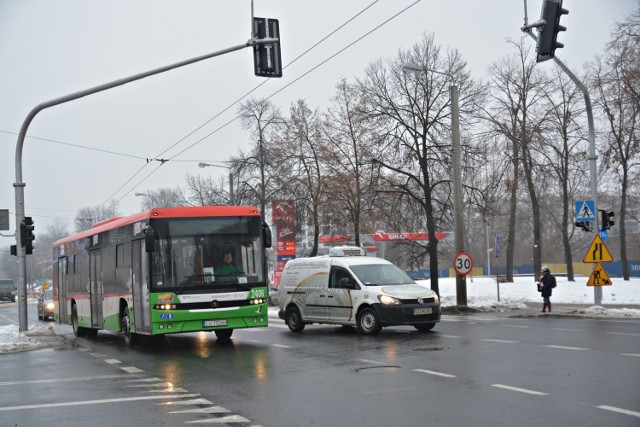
x,y
257,301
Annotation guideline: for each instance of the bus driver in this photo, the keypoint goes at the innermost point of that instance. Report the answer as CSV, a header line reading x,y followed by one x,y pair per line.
x,y
228,268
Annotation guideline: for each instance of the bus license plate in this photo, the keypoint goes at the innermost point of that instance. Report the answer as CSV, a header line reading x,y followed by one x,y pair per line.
x,y
421,310
210,323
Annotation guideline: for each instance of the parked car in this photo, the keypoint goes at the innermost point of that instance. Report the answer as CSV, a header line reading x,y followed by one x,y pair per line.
x,y
7,290
45,305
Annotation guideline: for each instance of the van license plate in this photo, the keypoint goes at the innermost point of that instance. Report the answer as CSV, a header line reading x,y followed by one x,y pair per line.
x,y
210,323
421,310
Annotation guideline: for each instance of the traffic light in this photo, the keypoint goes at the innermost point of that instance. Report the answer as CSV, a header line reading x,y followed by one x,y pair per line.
x,y
605,219
551,12
266,57
26,234
585,225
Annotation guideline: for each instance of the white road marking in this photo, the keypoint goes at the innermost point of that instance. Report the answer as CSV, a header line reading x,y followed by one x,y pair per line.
x,y
440,374
185,402
626,334
132,369
564,347
631,354
620,410
209,410
112,361
566,330
281,345
501,341
230,419
90,402
520,390
66,380
517,326
449,336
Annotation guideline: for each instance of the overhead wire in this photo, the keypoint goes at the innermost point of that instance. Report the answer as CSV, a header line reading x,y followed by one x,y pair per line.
x,y
279,90
236,102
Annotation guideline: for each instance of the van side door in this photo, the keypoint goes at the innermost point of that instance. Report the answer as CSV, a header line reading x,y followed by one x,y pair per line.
x,y
339,295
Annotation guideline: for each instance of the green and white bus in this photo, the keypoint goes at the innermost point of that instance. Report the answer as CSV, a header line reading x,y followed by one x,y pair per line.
x,y
158,272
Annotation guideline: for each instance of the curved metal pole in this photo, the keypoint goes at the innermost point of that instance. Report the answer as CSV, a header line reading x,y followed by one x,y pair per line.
x,y
19,185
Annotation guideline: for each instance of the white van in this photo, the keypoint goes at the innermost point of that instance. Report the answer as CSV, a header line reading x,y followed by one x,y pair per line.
x,y
348,288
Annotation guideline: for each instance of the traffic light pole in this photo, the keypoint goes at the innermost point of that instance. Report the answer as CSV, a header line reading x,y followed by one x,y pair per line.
x,y
593,157
19,185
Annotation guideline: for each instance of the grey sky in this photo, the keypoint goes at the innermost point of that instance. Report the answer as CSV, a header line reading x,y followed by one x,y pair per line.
x,y
53,48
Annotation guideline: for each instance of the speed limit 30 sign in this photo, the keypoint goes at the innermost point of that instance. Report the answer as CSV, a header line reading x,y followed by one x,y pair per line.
x,y
463,263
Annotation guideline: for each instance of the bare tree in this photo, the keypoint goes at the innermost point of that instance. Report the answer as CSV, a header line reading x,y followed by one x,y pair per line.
x,y
616,80
516,113
162,198
263,120
415,108
348,156
89,215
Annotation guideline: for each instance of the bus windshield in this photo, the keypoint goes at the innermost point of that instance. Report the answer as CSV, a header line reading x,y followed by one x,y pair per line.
x,y
216,252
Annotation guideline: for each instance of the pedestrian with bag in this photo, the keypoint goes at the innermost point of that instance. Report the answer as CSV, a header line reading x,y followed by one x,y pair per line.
x,y
547,283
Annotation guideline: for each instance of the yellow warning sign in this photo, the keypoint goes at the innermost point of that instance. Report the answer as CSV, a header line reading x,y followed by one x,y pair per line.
x,y
599,277
598,252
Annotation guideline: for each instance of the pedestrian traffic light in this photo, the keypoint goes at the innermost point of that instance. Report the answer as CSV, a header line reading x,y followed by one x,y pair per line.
x,y
605,219
585,225
547,37
266,57
26,234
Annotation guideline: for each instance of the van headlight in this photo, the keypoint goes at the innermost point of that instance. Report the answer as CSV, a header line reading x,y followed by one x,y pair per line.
x,y
387,300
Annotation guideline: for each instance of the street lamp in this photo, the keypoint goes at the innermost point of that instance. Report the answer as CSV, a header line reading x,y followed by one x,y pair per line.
x,y
231,197
458,217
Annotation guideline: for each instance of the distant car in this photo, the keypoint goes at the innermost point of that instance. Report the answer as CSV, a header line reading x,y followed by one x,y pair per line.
x,y
45,305
7,290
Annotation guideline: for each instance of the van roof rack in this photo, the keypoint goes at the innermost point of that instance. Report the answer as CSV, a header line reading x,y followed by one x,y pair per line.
x,y
338,251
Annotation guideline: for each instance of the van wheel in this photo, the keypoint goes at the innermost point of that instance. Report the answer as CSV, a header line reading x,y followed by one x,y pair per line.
x,y
224,334
368,322
293,318
78,331
425,327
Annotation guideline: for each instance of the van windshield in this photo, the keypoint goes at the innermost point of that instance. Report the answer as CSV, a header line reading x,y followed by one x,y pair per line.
x,y
381,275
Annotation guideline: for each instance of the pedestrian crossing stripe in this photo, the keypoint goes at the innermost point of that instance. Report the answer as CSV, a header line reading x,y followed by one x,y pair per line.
x,y
597,252
599,277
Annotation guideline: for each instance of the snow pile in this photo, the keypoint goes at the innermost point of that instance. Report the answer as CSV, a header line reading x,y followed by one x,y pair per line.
x,y
12,340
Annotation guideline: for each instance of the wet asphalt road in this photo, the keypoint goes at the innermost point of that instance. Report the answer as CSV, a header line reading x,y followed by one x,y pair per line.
x,y
480,370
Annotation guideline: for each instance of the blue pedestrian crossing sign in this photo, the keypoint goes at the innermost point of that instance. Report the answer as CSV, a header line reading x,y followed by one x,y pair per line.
x,y
585,210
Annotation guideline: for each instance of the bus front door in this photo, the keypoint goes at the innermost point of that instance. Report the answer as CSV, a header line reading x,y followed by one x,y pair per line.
x,y
95,285
141,310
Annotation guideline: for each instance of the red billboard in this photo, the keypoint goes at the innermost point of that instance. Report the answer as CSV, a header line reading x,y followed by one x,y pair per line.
x,y
284,220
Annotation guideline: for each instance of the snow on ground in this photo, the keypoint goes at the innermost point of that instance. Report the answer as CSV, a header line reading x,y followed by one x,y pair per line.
x,y
11,340
482,294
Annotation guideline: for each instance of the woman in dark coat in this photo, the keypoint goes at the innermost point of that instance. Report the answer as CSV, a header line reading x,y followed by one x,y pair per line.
x,y
548,283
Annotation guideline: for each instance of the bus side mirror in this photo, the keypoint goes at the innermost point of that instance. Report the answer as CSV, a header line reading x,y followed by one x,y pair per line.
x,y
149,239
266,235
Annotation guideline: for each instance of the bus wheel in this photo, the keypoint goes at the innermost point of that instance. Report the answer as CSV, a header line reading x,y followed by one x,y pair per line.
x,y
425,327
293,319
78,331
368,322
129,337
224,334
